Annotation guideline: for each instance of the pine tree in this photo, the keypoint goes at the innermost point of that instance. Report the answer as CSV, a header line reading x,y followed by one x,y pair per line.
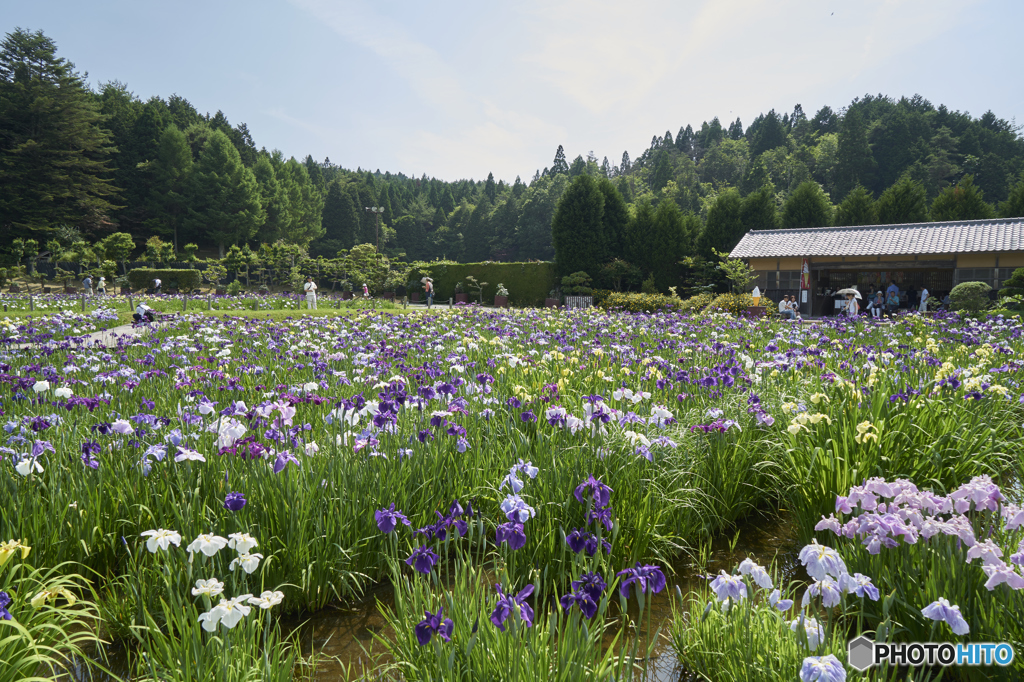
x,y
807,206
491,189
477,232
577,228
662,171
272,198
855,163
723,228
560,165
578,167
504,219
759,211
858,208
1013,207
769,135
172,169
626,165
666,245
616,220
411,236
639,245
736,129
54,154
964,201
305,204
904,202
340,222
224,197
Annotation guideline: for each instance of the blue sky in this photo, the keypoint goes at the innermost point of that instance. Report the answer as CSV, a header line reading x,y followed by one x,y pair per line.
x,y
458,89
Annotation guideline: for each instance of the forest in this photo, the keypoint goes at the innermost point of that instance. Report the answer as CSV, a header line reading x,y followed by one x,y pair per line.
x,y
78,163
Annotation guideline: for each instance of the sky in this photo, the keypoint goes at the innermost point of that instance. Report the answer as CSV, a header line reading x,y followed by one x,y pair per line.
x,y
460,89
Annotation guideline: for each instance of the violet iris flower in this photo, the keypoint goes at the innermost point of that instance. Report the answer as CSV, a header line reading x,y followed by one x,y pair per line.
x,y
509,604
591,583
234,501
283,458
512,533
822,669
594,488
388,519
422,559
942,610
647,578
580,598
431,625
5,601
727,586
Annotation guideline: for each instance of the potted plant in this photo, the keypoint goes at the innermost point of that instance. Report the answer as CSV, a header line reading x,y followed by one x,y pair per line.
x,y
460,295
552,300
501,297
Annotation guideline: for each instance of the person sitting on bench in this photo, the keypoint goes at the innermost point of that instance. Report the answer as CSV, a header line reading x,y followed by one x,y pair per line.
x,y
143,311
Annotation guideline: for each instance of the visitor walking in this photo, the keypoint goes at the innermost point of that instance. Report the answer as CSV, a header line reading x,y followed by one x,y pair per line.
x,y
87,285
852,307
156,285
366,291
924,300
101,286
429,286
310,288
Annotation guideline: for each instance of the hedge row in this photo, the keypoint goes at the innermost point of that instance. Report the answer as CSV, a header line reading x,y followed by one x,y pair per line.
x,y
140,279
528,284
639,303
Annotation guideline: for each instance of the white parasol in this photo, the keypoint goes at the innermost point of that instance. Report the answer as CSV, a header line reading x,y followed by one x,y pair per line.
x,y
844,292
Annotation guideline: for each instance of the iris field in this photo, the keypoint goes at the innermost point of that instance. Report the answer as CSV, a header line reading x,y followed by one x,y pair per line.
x,y
524,480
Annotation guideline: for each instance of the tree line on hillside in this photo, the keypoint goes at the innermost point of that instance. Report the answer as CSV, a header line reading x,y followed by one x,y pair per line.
x,y
102,161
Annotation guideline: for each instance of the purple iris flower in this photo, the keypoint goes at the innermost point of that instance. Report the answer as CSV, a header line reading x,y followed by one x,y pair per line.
x,y
507,605
89,460
388,519
528,417
583,599
591,583
822,669
423,559
90,447
234,501
647,578
602,515
512,533
942,610
283,458
595,488
5,601
431,625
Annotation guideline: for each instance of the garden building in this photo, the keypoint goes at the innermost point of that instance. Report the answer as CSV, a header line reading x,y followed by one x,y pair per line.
x,y
812,263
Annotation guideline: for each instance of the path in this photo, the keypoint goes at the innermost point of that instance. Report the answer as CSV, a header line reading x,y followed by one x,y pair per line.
x,y
108,338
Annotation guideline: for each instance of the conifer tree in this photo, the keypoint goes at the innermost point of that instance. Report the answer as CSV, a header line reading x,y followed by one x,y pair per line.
x,y
560,165
340,222
723,228
1013,207
491,189
759,211
807,206
615,221
855,163
963,201
904,202
858,208
577,228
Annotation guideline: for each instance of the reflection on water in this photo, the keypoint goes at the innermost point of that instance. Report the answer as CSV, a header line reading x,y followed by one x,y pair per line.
x,y
345,634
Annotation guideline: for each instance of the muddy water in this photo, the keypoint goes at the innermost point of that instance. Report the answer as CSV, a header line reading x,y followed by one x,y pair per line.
x,y
345,634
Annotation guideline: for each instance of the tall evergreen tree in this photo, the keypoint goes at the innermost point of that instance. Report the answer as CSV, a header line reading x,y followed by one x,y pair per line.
x,y
626,166
504,246
172,170
723,228
491,189
639,245
477,232
577,228
855,163
340,222
411,235
807,206
305,204
1013,207
54,154
858,208
560,165
769,135
224,197
272,198
666,240
904,202
736,129
759,211
964,201
616,218
662,171
578,167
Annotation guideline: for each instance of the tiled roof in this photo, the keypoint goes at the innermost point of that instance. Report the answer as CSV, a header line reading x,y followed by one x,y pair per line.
x,y
961,236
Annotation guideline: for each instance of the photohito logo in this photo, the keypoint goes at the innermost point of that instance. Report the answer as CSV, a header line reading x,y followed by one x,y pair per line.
x,y
862,653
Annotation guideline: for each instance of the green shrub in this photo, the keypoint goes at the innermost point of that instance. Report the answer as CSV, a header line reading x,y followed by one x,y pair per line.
x,y
639,303
970,297
648,286
600,296
142,278
696,304
528,284
577,284
737,304
235,288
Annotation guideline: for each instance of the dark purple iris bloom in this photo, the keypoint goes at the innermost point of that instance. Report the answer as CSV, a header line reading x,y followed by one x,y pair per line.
x,y
528,417
583,599
507,605
455,509
283,458
512,533
580,540
514,403
90,461
594,488
388,519
431,625
90,447
5,601
591,583
423,559
647,578
234,501
424,435
602,515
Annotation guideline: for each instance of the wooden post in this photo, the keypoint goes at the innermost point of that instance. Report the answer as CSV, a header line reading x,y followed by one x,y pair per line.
x,y
184,304
209,303
31,303
451,302
131,304
83,302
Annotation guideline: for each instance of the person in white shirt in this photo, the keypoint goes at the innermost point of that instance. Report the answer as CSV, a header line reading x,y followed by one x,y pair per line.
x,y
143,312
794,307
310,288
924,300
784,309
156,285
101,286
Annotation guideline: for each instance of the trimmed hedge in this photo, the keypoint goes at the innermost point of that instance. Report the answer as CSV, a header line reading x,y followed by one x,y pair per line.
x,y
641,303
528,284
141,279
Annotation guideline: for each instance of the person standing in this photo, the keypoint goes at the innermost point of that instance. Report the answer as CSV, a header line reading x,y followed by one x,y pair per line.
x,y
366,291
924,300
101,286
852,307
310,288
156,285
429,287
87,285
